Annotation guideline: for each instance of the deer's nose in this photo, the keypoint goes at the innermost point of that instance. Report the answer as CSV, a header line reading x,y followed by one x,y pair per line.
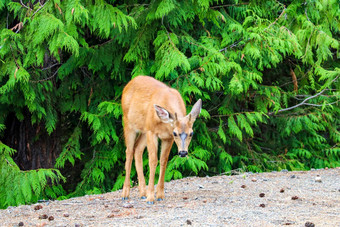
x,y
182,153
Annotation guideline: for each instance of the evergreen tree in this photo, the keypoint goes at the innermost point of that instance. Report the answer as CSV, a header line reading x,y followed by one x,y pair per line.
x,y
267,72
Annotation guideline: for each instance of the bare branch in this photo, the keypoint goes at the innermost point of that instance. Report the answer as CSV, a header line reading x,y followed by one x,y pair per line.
x,y
25,5
304,102
46,79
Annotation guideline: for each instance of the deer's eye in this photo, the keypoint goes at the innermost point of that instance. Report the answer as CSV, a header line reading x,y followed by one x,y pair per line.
x,y
192,133
175,134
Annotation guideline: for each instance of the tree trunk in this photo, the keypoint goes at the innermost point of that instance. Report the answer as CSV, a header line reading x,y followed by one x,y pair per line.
x,y
35,147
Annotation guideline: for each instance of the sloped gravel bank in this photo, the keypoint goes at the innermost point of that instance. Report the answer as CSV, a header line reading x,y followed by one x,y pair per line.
x,y
309,198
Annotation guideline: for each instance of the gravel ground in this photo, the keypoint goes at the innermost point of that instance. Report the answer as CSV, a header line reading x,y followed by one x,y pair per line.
x,y
304,198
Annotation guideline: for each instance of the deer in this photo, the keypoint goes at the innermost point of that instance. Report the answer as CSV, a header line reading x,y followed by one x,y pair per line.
x,y
151,111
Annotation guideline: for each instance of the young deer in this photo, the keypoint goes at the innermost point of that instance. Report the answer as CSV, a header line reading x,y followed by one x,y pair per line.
x,y
154,110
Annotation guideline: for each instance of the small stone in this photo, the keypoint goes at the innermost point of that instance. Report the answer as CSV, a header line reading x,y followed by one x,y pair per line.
x,y
66,215
295,197
262,195
21,224
284,170
44,216
243,186
111,216
253,180
38,207
50,218
326,168
189,222
309,224
262,205
318,179
128,205
282,190
185,198
292,176
204,201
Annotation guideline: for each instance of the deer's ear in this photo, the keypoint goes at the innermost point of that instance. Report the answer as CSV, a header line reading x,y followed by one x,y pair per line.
x,y
163,114
195,111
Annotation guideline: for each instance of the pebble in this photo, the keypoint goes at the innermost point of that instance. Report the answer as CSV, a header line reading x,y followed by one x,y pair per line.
x,y
318,179
309,224
127,205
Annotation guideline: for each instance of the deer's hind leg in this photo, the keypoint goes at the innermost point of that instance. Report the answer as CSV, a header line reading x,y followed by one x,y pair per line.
x,y
130,137
139,150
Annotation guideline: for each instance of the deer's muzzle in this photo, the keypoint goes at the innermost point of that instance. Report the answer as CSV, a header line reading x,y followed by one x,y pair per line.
x,y
182,153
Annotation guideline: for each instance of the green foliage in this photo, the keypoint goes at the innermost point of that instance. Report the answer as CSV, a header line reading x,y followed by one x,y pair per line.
x,y
267,72
21,187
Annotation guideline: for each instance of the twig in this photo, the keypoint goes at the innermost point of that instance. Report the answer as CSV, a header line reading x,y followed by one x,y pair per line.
x,y
167,32
7,20
30,10
232,45
25,5
15,60
319,105
228,5
283,11
39,8
51,66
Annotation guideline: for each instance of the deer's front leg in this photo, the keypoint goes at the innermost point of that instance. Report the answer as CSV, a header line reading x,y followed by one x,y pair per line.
x,y
152,145
166,148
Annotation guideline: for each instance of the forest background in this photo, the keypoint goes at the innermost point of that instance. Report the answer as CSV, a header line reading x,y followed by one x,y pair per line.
x,y
267,72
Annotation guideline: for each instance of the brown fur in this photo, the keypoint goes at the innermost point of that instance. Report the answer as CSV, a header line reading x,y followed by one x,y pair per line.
x,y
139,98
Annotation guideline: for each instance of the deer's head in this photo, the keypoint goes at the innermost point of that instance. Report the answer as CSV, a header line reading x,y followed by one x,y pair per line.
x,y
182,126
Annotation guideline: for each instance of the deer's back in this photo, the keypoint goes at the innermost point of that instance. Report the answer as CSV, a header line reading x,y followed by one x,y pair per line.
x,y
139,97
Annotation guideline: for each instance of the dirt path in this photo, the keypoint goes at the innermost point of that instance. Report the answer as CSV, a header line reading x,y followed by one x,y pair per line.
x,y
310,198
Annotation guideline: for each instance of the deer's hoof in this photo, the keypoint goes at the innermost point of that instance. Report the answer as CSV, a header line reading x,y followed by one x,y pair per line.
x,y
150,202
160,199
143,197
125,198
